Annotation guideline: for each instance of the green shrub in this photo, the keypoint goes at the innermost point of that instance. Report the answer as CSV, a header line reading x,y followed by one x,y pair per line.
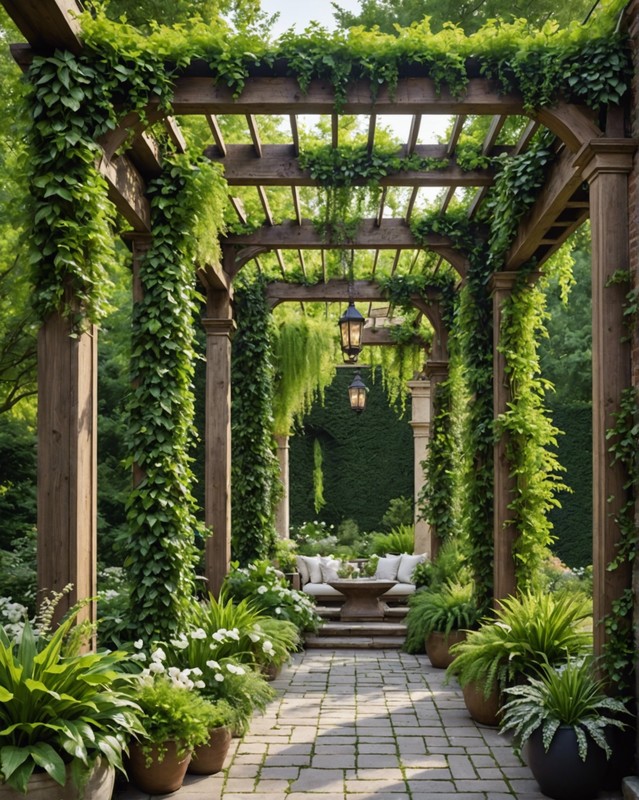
x,y
399,540
451,607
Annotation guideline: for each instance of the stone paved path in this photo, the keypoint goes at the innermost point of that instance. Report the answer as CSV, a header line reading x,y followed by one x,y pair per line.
x,y
363,724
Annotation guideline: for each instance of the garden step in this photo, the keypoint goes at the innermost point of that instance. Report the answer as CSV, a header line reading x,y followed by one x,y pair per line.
x,y
355,642
362,629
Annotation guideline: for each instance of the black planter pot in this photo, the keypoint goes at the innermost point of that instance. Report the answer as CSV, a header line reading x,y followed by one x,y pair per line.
x,y
560,772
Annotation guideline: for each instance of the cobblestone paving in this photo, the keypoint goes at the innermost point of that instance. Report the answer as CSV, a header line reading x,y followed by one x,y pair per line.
x,y
360,724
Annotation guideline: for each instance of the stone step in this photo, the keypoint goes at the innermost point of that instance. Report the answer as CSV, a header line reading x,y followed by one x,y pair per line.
x,y
355,643
362,629
333,612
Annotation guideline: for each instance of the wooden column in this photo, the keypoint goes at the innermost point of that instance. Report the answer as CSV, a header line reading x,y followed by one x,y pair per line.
x,y
67,463
436,371
217,466
282,518
504,532
420,423
607,163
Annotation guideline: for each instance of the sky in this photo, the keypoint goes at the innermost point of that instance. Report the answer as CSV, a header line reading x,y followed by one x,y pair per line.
x,y
299,13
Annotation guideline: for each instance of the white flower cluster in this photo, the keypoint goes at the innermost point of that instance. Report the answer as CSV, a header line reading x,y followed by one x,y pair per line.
x,y
182,678
12,618
218,669
257,635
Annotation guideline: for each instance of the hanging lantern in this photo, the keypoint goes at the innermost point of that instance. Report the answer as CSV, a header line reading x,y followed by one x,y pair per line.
x,y
357,392
351,325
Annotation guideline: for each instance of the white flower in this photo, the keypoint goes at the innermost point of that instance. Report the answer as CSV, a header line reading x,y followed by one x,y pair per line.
x,y
278,610
219,636
198,633
212,664
267,646
158,655
138,657
254,637
139,644
219,677
262,589
235,669
200,685
181,642
173,672
234,634
196,671
156,667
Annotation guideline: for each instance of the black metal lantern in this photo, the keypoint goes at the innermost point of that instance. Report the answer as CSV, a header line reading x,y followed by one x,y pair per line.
x,y
351,325
357,392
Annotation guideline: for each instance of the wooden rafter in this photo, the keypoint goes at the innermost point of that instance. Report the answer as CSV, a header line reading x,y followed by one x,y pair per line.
x,y
265,205
217,133
411,203
255,134
414,134
455,133
295,134
334,131
238,207
380,210
296,204
372,122
280,261
176,137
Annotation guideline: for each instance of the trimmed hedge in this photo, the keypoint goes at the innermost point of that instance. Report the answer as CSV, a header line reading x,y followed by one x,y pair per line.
x,y
367,458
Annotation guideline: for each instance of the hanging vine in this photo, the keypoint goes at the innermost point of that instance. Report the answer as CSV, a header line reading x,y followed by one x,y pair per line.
x,y
255,469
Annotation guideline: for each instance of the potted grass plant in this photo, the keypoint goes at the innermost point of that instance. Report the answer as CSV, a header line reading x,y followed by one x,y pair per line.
x,y
439,618
563,715
525,632
65,717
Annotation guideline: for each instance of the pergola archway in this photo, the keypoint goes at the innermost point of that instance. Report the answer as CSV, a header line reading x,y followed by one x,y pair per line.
x,y
589,177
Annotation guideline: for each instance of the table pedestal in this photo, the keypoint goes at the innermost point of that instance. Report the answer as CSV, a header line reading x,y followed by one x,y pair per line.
x,y
363,599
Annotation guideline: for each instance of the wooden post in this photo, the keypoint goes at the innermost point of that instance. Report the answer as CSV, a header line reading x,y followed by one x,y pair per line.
x,y
217,465
282,518
504,532
67,463
607,163
437,372
420,423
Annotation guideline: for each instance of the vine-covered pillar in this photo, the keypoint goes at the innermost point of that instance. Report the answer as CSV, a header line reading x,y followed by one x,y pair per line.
x,y
219,326
282,517
606,164
420,423
436,372
67,463
504,531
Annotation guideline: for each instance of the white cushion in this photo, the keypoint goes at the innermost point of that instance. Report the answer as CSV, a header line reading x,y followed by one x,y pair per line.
x,y
322,590
407,565
387,568
329,567
314,567
400,590
302,569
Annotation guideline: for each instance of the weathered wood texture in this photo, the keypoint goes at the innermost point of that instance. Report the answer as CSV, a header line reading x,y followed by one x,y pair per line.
x,y
47,24
217,440
606,167
504,532
67,463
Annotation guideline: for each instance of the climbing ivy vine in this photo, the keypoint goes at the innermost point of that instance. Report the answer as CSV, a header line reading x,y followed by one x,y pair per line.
x,y
255,469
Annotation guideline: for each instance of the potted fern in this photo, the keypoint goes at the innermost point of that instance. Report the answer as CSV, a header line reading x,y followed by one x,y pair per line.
x,y
563,716
525,632
65,717
437,619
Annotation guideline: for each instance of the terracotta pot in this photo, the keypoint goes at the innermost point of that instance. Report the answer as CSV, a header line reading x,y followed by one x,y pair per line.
x,y
209,758
42,787
438,644
560,773
165,772
271,671
482,709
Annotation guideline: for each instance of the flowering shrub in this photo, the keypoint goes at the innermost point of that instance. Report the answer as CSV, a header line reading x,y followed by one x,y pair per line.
x,y
315,538
260,583
12,618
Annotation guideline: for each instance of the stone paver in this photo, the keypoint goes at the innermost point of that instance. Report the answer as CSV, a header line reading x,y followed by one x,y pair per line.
x,y
357,725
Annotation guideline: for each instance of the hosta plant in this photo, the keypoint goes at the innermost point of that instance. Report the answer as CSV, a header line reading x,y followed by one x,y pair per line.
x,y
60,710
569,695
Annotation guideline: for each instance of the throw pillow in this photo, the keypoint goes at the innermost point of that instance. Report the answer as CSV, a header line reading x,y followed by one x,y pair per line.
x,y
387,568
329,567
302,569
407,565
314,567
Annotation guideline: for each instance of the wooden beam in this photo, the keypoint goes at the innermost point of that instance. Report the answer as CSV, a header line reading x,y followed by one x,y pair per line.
x,y
383,337
145,155
295,134
255,135
372,123
563,180
380,211
450,193
126,191
411,203
238,207
527,134
458,126
414,134
393,234
300,255
296,204
496,124
278,166
47,24
334,131
175,134
280,261
265,205
214,278
217,133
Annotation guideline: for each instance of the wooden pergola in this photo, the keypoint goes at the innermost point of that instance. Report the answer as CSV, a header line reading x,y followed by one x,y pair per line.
x,y
592,177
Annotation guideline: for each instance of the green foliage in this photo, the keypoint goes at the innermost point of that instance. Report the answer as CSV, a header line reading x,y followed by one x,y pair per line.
x,y
160,551
351,445
57,709
318,477
255,468
619,655
527,632
450,607
400,540
260,584
399,512
447,566
569,696
304,357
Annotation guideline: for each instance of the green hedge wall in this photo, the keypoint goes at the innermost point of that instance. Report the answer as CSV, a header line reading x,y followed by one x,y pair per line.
x,y
367,458
573,521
